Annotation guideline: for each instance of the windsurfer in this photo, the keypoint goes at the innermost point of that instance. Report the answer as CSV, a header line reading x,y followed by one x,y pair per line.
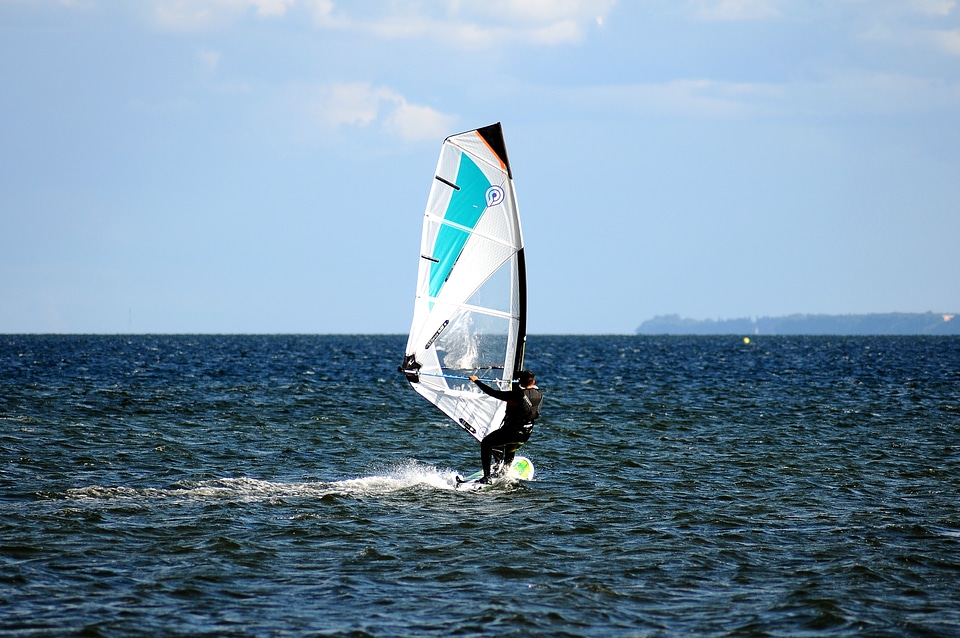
x,y
523,408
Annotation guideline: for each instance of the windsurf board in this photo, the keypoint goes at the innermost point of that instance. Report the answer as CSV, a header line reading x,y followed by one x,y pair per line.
x,y
520,470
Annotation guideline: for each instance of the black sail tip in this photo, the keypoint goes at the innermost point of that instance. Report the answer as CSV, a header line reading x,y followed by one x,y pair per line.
x,y
493,136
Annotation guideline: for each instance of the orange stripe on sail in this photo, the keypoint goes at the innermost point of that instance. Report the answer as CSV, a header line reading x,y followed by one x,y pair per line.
x,y
503,165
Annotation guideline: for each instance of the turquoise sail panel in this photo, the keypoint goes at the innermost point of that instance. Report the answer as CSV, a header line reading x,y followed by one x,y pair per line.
x,y
465,209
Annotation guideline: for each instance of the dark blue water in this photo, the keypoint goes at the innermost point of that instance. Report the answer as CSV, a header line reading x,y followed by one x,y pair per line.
x,y
295,485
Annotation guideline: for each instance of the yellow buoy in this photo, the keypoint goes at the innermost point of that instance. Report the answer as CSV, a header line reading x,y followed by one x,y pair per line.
x,y
746,339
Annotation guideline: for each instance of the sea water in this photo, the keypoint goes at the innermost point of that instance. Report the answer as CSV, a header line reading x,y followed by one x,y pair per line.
x,y
295,485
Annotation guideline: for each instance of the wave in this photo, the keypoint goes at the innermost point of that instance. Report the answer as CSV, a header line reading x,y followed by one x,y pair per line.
x,y
408,475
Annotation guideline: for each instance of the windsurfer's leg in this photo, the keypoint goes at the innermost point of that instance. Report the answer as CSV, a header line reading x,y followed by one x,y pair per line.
x,y
486,448
486,451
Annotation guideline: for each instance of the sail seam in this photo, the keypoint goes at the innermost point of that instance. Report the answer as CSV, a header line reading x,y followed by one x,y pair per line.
x,y
493,312
471,231
501,167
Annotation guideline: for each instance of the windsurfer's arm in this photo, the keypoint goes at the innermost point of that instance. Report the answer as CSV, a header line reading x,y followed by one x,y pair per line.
x,y
480,384
496,394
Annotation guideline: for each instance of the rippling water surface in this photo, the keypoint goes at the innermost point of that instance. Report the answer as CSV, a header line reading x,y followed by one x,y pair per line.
x,y
294,485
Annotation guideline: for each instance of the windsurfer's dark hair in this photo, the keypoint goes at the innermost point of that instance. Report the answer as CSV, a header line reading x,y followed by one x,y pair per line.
x,y
525,377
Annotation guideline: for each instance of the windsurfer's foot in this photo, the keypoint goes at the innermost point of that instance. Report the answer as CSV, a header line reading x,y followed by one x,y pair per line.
x,y
485,480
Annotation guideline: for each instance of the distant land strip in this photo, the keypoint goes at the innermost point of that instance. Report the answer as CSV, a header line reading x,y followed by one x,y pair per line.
x,y
894,323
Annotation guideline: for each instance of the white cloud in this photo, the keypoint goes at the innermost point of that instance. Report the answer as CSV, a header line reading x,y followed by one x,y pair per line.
x,y
946,41
271,7
209,59
685,98
190,15
413,122
858,91
469,25
737,9
841,94
472,35
325,14
932,7
897,34
356,104
940,40
363,105
536,11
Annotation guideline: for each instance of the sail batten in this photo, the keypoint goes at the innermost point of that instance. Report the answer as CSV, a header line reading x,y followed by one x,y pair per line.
x,y
470,308
448,183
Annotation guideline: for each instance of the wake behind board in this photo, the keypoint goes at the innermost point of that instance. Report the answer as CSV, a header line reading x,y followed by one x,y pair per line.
x,y
520,470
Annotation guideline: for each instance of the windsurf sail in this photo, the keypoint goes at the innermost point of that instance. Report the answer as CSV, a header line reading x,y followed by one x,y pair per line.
x,y
469,316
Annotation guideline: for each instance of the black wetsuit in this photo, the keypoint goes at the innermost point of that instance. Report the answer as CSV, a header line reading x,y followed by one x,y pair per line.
x,y
517,424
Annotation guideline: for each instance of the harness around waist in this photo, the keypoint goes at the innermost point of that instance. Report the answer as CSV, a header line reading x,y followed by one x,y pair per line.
x,y
522,430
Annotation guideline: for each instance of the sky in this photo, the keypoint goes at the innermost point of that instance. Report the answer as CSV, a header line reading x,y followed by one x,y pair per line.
x,y
262,166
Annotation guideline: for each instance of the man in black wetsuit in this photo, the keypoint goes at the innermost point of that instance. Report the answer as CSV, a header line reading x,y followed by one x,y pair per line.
x,y
523,407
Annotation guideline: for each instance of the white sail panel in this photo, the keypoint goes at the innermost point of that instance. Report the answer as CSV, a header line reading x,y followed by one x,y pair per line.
x,y
469,312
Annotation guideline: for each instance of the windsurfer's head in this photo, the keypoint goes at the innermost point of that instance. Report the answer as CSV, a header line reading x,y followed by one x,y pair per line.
x,y
526,378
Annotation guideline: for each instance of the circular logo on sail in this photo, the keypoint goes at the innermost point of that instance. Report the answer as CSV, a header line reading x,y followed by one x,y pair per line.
x,y
494,195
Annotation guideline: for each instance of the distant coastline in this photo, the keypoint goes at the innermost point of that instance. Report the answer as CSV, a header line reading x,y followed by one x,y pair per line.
x,y
894,323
